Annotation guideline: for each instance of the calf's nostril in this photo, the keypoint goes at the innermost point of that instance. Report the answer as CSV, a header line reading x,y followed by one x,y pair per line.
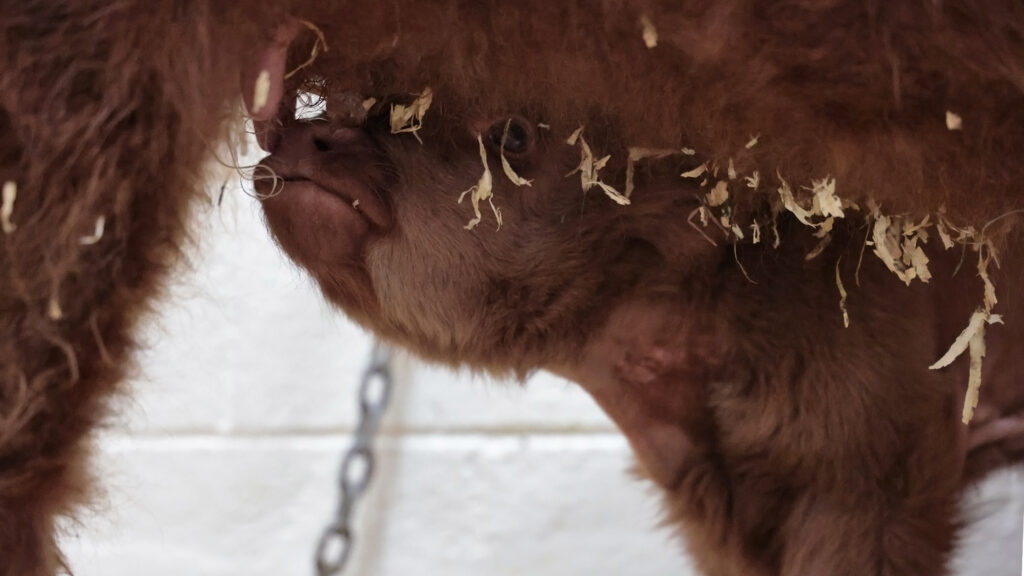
x,y
328,138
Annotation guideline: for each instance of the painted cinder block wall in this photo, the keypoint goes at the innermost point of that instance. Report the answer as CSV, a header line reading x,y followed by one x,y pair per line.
x,y
224,458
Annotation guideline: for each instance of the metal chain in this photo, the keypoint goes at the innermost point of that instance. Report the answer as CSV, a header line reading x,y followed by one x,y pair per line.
x,y
357,467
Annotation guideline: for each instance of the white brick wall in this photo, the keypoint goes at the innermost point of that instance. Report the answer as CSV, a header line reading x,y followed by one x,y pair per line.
x,y
226,457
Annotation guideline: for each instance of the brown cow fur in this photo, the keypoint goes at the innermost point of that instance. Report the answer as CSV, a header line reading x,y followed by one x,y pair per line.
x,y
785,443
106,109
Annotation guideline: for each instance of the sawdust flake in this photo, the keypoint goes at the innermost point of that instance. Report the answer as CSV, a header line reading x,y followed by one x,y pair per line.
x,y
650,33
97,233
719,194
695,172
409,119
954,121
261,91
483,190
842,296
9,195
589,168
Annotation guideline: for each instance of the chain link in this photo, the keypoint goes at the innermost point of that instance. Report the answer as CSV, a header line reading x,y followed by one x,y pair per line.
x,y
357,466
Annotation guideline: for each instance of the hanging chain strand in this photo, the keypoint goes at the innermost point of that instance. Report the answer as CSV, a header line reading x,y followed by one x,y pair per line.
x,y
357,467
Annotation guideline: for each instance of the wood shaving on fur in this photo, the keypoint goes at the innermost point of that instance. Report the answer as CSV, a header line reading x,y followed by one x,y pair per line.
x,y
887,246
752,142
942,227
725,219
826,203
754,180
897,243
954,121
483,190
976,353
914,258
409,119
53,310
789,203
9,195
574,137
842,295
973,338
589,168
990,299
719,194
650,33
695,172
97,233
261,91
737,231
824,233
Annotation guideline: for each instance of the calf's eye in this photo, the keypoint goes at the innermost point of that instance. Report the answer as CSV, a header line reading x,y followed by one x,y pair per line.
x,y
514,136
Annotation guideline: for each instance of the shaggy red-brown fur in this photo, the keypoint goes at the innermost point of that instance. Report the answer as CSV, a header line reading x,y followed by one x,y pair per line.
x,y
107,109
785,443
